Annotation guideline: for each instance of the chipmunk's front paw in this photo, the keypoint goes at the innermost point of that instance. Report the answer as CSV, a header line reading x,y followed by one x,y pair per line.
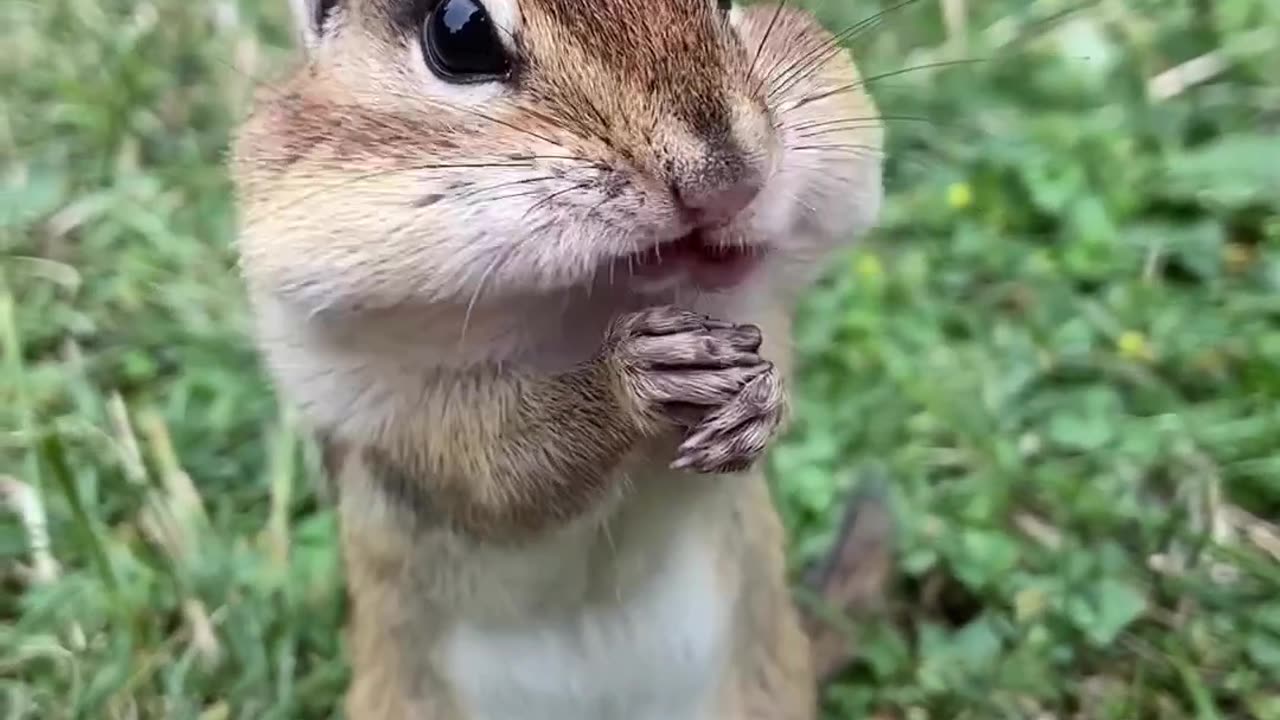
x,y
734,436
680,367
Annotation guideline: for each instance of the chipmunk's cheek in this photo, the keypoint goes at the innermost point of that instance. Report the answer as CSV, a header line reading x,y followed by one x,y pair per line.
x,y
771,219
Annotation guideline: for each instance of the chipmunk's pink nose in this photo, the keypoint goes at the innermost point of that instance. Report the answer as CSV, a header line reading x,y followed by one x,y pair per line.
x,y
716,186
716,202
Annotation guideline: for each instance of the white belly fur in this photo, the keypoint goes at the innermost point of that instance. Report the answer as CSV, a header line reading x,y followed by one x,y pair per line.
x,y
656,654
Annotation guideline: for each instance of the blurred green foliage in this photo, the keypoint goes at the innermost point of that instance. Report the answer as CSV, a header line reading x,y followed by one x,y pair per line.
x,y
1061,349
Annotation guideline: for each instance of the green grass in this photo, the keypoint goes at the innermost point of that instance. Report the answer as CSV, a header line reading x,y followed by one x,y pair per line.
x,y
1062,349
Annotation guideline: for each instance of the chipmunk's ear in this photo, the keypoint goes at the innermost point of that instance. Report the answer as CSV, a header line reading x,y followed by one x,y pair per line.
x,y
311,18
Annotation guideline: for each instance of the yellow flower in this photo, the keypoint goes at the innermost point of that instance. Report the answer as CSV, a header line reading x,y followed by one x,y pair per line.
x,y
868,267
1134,346
1237,257
1029,603
959,195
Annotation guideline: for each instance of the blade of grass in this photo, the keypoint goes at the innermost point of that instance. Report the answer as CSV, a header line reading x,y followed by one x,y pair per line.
x,y
53,455
15,372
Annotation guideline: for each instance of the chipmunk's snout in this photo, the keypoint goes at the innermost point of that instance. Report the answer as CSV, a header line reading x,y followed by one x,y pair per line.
x,y
713,177
716,186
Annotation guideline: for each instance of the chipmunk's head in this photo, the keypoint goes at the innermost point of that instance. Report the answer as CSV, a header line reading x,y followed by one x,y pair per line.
x,y
440,151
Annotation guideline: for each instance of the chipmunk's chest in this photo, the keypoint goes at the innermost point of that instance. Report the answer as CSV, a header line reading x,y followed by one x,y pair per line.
x,y
658,652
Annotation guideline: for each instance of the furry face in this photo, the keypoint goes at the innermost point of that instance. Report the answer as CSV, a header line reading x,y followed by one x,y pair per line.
x,y
453,153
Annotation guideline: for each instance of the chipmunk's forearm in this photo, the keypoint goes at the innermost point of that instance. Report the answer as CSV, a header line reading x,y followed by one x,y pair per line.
x,y
502,455
499,454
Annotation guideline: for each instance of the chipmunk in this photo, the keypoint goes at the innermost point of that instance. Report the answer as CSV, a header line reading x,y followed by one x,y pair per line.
x,y
527,268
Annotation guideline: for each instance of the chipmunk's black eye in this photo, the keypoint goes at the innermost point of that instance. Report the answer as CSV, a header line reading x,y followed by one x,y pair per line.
x,y
460,43
321,12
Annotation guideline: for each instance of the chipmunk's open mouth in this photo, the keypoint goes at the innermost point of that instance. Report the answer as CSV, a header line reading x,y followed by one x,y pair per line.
x,y
708,265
